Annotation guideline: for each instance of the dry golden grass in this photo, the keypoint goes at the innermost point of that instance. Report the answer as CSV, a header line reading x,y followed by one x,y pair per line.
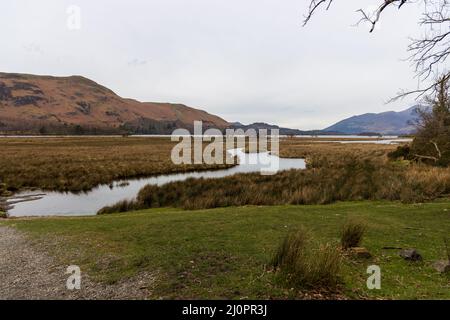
x,y
310,148
336,172
81,163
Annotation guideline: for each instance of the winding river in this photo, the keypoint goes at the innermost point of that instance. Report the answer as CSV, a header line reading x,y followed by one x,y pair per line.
x,y
42,203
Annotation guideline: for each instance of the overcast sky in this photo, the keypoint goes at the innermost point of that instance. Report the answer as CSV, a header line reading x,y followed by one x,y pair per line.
x,y
247,60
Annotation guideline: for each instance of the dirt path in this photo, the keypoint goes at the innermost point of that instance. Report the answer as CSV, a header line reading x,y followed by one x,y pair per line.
x,y
28,272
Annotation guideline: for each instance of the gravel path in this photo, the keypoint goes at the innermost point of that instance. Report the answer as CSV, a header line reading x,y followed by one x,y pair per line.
x,y
28,272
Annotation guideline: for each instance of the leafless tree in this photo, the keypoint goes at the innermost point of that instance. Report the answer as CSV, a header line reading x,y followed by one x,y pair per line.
x,y
428,54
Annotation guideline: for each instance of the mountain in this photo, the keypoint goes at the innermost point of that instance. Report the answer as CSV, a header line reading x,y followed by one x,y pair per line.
x,y
264,126
76,105
283,131
386,123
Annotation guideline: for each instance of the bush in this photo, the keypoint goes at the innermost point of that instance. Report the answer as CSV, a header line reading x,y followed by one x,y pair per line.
x,y
302,266
352,234
402,152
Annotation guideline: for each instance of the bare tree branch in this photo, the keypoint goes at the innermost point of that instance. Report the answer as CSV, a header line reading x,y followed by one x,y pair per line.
x,y
313,6
437,148
428,54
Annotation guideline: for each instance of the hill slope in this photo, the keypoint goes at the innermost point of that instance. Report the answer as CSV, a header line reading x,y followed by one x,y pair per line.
x,y
385,123
30,103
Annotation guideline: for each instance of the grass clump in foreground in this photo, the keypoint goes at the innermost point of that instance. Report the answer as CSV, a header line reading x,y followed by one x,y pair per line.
x,y
352,233
302,266
225,252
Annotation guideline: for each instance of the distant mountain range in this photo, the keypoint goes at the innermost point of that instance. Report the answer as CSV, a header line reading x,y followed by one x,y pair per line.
x,y
31,104
386,123
76,105
282,131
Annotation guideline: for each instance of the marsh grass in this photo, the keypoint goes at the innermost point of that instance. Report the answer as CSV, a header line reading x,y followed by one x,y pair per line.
x,y
352,233
300,265
3,190
3,194
81,163
327,180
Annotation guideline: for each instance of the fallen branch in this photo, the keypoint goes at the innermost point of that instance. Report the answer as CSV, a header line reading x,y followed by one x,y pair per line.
x,y
426,157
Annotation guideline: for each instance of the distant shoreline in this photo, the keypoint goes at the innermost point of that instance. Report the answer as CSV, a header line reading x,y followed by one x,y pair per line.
x,y
342,136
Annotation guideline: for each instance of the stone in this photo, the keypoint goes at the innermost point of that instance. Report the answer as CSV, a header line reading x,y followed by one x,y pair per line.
x,y
442,266
361,252
411,255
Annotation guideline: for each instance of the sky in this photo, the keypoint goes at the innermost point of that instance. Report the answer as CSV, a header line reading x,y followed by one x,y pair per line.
x,y
247,61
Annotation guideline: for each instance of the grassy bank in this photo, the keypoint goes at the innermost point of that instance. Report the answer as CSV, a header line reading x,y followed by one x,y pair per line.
x,y
225,253
81,163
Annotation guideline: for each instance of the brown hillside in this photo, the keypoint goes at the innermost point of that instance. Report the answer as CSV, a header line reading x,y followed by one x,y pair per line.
x,y
30,103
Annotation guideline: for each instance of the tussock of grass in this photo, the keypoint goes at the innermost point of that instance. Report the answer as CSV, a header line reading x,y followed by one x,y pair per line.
x,y
302,266
290,249
352,233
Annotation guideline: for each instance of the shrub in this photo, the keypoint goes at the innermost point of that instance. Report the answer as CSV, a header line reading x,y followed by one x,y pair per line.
x,y
352,233
302,266
402,152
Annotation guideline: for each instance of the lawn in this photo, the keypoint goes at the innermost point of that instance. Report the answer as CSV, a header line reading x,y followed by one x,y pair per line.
x,y
225,252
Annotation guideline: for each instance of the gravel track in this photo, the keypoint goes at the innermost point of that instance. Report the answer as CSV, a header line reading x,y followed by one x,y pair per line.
x,y
28,272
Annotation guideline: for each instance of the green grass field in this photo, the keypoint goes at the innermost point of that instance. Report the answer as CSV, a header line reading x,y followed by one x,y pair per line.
x,y
225,253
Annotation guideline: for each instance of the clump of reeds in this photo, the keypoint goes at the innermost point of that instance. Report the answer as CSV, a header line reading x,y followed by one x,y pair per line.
x,y
302,266
352,233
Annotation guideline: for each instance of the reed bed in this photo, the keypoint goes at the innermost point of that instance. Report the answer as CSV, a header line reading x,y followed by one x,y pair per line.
x,y
335,173
81,163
